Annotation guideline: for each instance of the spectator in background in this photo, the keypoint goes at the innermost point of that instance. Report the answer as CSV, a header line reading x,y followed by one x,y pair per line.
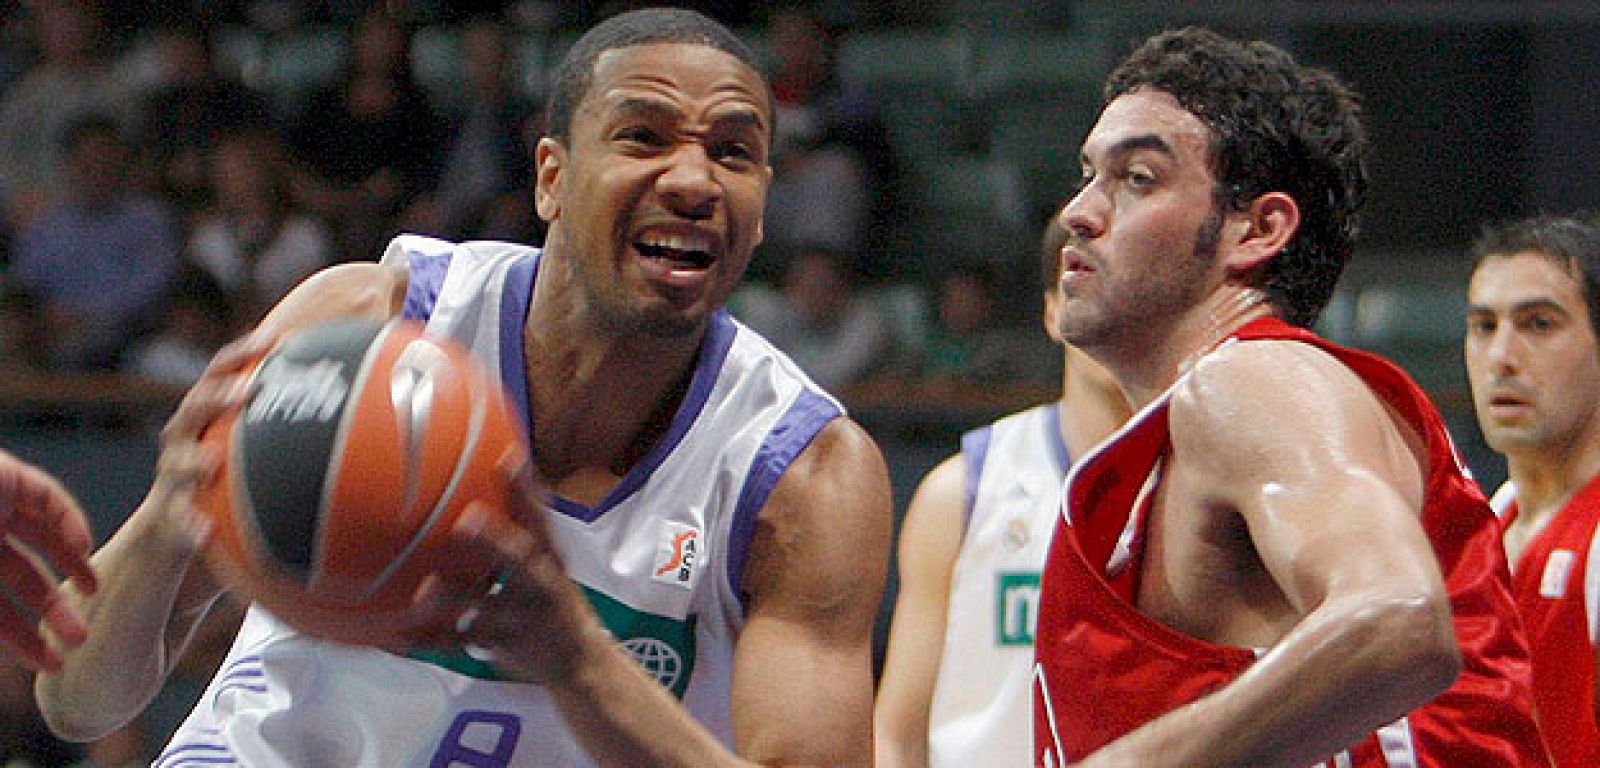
x,y
821,318
16,48
251,240
191,107
830,155
371,143
198,319
483,190
1532,353
23,338
72,79
99,258
971,343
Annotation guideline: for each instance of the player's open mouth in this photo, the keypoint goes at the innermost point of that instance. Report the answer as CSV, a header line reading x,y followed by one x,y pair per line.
x,y
677,251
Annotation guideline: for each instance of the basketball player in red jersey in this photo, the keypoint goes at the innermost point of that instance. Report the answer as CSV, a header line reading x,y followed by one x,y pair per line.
x,y
38,516
1278,561
1533,358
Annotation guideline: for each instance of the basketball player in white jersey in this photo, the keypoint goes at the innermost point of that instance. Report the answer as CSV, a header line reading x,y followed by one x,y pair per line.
x,y
39,518
654,421
956,680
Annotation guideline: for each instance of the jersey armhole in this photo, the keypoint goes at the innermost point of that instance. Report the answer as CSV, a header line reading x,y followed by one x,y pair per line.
x,y
974,450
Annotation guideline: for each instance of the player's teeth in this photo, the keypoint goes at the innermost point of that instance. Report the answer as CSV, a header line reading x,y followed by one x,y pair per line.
x,y
676,243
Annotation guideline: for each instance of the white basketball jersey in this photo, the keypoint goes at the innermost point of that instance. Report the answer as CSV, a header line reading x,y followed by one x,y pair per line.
x,y
981,712
660,559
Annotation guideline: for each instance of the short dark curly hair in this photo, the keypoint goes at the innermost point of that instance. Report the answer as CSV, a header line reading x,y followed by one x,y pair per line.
x,y
1571,242
642,27
1276,126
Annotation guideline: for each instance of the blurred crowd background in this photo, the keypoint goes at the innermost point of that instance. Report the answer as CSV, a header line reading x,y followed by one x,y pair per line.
x,y
168,169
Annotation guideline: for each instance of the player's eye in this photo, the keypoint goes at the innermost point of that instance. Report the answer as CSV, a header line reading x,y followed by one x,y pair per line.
x,y
1538,323
640,135
733,150
1138,177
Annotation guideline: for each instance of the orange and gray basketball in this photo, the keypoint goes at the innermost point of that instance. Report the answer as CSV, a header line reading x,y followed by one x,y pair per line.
x,y
362,443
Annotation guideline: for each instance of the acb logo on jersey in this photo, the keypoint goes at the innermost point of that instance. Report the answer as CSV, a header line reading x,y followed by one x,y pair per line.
x,y
678,554
1017,607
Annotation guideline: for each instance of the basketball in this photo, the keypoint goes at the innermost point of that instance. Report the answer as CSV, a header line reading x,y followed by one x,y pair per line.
x,y
361,444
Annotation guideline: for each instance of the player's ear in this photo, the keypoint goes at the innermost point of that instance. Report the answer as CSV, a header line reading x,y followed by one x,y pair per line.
x,y
1261,231
549,158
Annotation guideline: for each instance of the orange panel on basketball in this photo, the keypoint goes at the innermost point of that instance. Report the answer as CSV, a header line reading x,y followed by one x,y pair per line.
x,y
361,445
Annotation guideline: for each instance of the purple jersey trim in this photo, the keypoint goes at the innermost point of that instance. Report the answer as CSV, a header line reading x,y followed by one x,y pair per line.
x,y
515,296
809,414
713,352
426,278
205,746
196,753
975,451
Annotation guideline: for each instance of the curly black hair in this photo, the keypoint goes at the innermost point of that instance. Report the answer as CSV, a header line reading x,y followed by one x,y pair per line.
x,y
1571,242
1276,126
642,27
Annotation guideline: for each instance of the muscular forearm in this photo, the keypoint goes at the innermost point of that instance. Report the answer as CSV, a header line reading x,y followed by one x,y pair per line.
x,y
1350,667
136,629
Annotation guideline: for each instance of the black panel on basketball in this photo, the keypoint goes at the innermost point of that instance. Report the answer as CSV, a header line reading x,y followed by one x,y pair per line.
x,y
287,437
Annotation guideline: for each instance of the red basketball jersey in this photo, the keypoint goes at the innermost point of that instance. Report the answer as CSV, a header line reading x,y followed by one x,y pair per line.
x,y
1103,668
1557,596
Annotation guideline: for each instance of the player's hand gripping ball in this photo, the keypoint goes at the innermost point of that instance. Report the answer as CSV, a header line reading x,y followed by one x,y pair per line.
x,y
362,443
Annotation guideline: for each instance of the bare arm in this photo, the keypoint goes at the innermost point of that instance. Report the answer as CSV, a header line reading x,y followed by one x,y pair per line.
x,y
802,678
152,596
1322,477
930,540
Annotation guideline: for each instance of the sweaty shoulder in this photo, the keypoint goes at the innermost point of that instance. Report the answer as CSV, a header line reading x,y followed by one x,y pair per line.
x,y
1250,398
356,289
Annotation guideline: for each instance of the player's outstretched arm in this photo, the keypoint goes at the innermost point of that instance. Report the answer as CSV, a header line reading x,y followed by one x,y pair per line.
x,y
150,597
1321,475
152,594
802,677
39,517
930,540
